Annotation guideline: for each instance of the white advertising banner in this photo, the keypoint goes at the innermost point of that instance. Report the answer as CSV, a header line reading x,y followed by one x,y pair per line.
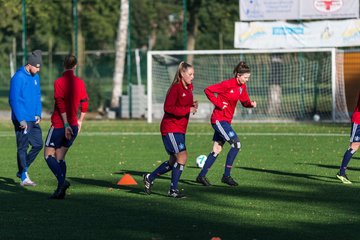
x,y
268,10
328,9
280,34
255,10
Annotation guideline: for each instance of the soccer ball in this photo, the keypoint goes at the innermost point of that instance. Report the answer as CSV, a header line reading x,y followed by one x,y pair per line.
x,y
200,161
316,117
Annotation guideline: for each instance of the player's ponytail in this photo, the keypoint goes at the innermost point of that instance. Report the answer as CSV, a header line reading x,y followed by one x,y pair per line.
x,y
241,68
70,61
183,66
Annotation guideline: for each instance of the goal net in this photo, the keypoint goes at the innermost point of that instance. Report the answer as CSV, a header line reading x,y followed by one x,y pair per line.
x,y
288,85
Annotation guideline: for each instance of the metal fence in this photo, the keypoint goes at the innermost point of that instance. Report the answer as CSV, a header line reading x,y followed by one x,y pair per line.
x,y
97,72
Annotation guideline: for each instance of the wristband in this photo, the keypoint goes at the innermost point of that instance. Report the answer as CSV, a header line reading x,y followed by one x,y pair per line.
x,y
66,125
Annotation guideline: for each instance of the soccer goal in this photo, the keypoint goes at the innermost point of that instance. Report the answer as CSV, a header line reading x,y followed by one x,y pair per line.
x,y
288,85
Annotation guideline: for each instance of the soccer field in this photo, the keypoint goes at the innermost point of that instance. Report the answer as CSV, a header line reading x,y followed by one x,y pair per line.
x,y
286,174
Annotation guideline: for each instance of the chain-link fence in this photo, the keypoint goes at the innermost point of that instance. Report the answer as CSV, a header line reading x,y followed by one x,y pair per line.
x,y
97,71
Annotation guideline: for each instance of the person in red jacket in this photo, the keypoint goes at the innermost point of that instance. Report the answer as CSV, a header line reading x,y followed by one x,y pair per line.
x,y
224,96
354,144
178,105
69,94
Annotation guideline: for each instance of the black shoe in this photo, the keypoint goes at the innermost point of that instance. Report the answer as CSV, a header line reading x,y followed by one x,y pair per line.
x,y
229,181
203,180
56,194
147,184
61,191
175,193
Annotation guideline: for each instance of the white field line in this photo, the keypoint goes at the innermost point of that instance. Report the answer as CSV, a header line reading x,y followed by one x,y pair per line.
x,y
91,134
211,133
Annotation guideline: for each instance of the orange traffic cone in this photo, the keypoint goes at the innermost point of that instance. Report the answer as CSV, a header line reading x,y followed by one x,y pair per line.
x,y
127,179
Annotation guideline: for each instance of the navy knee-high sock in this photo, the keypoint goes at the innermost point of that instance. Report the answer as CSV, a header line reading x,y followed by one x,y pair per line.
x,y
175,176
160,170
63,167
346,159
230,160
56,169
208,163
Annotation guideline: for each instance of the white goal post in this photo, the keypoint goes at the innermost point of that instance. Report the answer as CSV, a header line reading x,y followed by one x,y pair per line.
x,y
287,84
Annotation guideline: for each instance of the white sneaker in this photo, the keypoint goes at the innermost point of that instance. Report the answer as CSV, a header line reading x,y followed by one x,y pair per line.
x,y
27,182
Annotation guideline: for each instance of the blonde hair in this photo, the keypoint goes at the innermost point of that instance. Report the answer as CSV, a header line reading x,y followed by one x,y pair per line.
x,y
183,66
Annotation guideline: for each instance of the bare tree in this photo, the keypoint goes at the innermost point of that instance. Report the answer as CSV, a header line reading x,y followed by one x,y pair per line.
x,y
121,42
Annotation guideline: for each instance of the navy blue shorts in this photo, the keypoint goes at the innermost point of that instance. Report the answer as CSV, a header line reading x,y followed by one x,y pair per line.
x,y
355,133
223,132
174,143
56,137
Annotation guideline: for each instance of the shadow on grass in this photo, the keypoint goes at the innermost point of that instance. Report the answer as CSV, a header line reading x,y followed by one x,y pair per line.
x,y
109,185
193,167
166,176
335,167
229,213
9,185
94,182
132,172
297,175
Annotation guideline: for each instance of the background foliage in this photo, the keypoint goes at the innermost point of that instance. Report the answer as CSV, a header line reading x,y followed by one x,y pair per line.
x,y
156,25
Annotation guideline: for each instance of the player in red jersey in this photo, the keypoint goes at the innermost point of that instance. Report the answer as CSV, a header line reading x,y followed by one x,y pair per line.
x,y
69,94
179,103
225,95
354,144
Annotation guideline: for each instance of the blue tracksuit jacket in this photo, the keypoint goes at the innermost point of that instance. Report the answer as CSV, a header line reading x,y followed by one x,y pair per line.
x,y
25,96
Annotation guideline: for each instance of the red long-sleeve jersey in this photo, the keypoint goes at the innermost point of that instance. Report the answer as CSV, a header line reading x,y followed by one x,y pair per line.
x,y
69,94
227,92
177,106
356,114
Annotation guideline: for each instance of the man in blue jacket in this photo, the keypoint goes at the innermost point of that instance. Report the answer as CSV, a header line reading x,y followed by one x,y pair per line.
x,y
25,103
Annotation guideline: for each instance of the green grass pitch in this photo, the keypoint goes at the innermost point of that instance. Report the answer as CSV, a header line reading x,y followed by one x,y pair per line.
x,y
286,173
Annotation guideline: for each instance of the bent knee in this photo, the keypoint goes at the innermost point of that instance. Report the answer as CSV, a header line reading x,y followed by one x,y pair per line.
x,y
217,149
49,152
235,143
355,146
181,157
46,157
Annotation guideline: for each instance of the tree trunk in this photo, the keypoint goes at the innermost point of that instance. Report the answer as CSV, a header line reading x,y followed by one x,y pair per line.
x,y
192,28
121,42
81,44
